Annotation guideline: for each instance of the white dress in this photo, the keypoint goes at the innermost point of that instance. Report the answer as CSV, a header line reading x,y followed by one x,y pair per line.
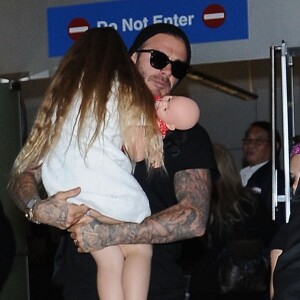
x,y
104,174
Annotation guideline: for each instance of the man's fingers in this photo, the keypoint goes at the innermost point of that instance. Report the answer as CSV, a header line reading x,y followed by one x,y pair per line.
x,y
73,230
69,193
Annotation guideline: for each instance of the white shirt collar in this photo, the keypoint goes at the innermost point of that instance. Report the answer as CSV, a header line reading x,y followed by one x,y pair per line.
x,y
247,172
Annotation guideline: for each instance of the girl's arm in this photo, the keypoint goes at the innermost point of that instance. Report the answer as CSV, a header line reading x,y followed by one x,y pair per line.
x,y
136,150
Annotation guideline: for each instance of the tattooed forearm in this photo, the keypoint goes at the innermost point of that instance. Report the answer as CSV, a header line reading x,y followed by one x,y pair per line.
x,y
185,220
194,186
90,235
23,188
52,212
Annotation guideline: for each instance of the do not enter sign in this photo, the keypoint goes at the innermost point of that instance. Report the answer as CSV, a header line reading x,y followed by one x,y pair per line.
x,y
76,27
213,15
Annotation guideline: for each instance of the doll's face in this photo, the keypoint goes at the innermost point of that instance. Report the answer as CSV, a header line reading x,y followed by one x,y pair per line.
x,y
178,112
295,171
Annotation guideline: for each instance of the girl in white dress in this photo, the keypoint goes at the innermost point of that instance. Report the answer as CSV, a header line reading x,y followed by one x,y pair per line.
x,y
97,119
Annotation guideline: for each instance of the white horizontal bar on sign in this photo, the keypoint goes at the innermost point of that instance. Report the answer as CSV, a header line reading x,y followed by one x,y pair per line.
x,y
78,29
214,16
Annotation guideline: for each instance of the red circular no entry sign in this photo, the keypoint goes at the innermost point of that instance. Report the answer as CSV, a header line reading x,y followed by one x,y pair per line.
x,y
76,27
213,15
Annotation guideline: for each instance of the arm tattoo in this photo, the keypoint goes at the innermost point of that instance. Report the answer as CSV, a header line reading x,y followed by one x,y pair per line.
x,y
23,188
184,220
194,186
90,237
53,212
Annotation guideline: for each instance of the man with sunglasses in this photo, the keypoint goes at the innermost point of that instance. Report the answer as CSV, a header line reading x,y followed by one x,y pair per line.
x,y
179,200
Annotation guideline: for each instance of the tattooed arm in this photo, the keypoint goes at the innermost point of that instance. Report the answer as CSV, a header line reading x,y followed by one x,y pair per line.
x,y
184,220
55,210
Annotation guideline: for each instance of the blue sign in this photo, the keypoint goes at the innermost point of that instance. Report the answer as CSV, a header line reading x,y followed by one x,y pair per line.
x,y
202,20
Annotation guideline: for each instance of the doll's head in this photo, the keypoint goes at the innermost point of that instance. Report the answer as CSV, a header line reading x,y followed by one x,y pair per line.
x,y
295,167
177,112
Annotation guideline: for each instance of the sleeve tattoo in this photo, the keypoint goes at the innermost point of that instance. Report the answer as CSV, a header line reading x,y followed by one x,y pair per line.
x,y
184,220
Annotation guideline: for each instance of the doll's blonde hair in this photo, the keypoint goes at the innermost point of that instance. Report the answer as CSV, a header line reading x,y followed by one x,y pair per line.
x,y
91,67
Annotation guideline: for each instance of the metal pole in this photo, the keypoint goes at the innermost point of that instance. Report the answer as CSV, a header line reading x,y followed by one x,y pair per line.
x,y
273,120
285,129
292,130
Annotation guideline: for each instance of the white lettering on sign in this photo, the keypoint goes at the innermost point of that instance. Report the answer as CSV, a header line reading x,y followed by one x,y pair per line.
x,y
175,20
130,24
106,24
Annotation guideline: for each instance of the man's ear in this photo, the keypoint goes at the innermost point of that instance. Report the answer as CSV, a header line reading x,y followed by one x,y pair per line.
x,y
170,126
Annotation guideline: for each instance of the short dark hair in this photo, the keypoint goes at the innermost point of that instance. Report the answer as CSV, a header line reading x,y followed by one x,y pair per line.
x,y
154,29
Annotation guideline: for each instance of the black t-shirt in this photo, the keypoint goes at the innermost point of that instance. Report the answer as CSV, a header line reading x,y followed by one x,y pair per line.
x,y
190,149
183,150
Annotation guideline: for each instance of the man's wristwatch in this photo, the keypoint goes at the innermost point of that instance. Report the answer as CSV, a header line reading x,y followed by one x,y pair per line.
x,y
29,212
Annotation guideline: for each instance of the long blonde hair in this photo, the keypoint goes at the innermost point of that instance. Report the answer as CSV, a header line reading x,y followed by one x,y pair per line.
x,y
90,67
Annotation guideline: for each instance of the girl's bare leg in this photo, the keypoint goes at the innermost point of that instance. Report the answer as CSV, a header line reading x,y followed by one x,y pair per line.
x,y
123,270
110,263
136,271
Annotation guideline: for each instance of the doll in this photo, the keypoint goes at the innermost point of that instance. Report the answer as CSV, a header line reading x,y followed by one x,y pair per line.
x,y
176,112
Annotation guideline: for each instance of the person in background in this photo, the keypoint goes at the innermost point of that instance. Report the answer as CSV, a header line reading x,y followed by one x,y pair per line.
x,y
257,173
285,253
236,216
179,201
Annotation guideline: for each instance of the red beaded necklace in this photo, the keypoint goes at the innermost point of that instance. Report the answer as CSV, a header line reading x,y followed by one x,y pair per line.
x,y
162,125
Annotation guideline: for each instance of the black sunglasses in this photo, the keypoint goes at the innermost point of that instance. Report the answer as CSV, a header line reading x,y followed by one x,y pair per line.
x,y
159,60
